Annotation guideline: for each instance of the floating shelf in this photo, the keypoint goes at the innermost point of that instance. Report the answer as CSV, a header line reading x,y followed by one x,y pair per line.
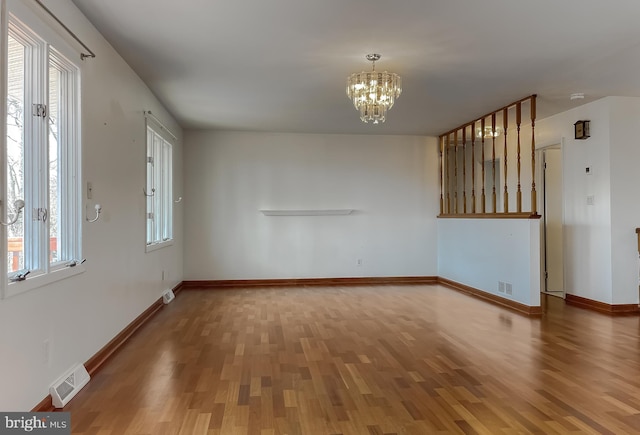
x,y
344,211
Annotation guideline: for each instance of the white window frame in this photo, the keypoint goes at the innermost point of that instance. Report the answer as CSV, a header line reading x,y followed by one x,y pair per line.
x,y
159,186
45,48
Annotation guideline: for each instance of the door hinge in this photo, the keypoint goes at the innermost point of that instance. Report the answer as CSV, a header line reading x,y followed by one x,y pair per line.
x,y
40,110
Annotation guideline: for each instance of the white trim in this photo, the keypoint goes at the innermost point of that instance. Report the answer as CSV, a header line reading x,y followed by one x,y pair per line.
x,y
161,128
35,18
31,283
44,52
155,246
159,186
3,131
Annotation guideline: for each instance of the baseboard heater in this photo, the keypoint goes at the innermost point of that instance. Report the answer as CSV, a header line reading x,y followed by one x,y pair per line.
x,y
68,385
167,296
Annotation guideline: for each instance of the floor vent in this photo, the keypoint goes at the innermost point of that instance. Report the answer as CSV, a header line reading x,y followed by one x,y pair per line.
x,y
168,296
65,388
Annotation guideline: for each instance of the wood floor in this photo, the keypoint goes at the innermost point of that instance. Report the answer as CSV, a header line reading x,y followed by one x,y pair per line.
x,y
366,360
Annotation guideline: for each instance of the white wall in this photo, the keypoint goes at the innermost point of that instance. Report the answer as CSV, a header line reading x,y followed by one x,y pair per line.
x,y
390,181
625,203
601,256
481,252
601,260
587,230
81,314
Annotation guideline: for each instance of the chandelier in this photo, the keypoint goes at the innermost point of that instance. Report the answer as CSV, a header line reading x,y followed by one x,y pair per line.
x,y
488,132
373,93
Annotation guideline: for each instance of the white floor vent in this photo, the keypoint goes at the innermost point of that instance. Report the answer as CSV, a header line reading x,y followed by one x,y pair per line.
x,y
168,296
65,388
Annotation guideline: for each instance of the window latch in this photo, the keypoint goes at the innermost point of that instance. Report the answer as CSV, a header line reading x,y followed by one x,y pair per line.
x,y
74,263
20,275
40,110
40,214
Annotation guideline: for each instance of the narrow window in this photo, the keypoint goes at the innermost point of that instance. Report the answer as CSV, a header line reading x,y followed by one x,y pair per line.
x,y
42,164
159,193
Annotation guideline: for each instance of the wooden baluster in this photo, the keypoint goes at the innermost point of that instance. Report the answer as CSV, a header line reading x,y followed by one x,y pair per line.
x,y
440,149
455,171
493,163
505,120
464,170
484,200
518,121
473,167
446,155
534,201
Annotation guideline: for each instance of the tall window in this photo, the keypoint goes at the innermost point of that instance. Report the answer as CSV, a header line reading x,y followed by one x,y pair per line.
x,y
159,187
42,155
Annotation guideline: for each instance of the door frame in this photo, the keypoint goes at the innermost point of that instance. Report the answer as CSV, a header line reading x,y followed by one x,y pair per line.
x,y
540,156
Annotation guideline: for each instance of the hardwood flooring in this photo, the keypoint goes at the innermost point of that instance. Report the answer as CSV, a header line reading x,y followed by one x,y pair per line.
x,y
368,360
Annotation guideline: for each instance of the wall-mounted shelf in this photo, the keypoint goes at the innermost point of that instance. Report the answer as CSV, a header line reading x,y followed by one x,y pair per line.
x,y
343,211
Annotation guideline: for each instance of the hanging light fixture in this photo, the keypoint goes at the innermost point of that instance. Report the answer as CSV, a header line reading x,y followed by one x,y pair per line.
x,y
373,93
488,133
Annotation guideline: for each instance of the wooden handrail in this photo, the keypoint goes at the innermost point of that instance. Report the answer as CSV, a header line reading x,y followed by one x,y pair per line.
x,y
522,100
484,198
440,148
473,167
464,170
491,126
494,203
518,122
455,172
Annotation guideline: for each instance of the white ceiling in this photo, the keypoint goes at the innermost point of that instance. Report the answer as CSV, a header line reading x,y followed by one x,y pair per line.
x,y
281,65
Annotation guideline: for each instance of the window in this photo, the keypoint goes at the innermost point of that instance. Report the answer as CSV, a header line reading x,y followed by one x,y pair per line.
x,y
41,152
159,186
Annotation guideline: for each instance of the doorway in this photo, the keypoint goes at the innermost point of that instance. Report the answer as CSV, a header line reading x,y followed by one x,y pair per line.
x,y
552,222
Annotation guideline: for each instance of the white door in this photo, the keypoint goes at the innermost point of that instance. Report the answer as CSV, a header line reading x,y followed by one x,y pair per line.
x,y
552,224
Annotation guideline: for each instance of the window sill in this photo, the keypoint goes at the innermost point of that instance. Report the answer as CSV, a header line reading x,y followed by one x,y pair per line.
x,y
33,282
156,246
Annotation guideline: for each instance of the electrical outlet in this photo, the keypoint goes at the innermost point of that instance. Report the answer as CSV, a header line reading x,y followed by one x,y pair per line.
x,y
89,190
590,200
359,262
